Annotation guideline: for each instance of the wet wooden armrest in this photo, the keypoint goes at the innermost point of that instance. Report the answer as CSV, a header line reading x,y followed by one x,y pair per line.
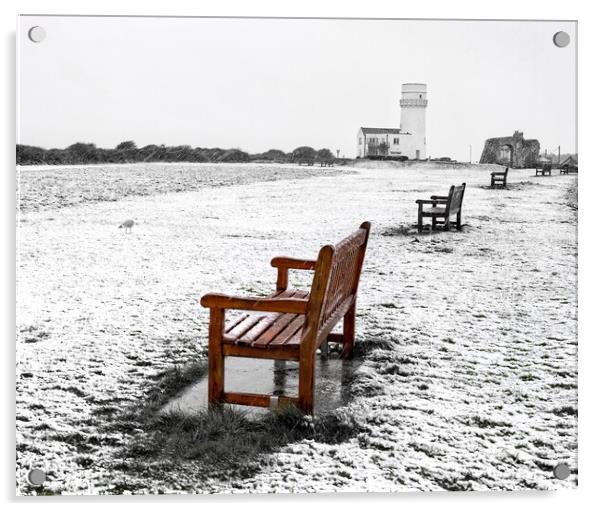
x,y
292,263
284,305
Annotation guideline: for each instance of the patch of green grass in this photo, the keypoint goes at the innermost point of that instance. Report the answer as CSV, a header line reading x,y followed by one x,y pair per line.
x,y
226,439
394,369
565,410
540,443
84,461
399,230
484,422
429,450
367,385
528,377
46,492
384,356
36,334
566,386
364,346
391,306
124,488
223,439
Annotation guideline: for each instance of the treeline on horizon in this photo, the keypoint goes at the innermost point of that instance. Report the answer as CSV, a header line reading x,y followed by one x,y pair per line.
x,y
128,152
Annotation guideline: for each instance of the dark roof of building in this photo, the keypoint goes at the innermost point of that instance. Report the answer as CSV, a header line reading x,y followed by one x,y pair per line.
x,y
569,160
382,131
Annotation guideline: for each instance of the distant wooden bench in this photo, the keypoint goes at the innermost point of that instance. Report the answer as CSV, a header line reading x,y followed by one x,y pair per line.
x,y
328,163
442,207
569,169
309,162
499,178
545,170
290,324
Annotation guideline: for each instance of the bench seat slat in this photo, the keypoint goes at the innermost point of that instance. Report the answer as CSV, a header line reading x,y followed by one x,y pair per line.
x,y
229,329
242,327
260,330
291,335
279,324
235,322
433,211
276,328
261,326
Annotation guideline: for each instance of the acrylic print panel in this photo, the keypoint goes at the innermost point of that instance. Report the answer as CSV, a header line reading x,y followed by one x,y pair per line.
x,y
165,159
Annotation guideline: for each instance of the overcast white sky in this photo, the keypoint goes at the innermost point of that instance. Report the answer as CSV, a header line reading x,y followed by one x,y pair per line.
x,y
258,84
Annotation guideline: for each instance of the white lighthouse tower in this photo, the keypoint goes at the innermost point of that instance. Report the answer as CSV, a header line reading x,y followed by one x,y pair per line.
x,y
413,119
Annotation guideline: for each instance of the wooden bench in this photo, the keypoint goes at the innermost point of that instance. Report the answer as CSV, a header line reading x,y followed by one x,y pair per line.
x,y
326,163
290,324
442,206
545,170
569,169
499,178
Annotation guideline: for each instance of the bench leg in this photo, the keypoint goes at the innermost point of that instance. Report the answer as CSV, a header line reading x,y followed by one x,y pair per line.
x,y
306,382
216,357
324,348
348,333
459,221
419,222
279,376
433,223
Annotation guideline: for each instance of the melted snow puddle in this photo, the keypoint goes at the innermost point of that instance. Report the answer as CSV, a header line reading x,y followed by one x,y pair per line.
x,y
332,384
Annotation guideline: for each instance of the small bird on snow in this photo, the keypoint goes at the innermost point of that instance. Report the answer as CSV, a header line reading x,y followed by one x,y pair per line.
x,y
127,225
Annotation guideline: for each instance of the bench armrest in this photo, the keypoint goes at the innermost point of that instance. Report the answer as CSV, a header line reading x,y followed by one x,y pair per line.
x,y
295,264
429,201
284,264
498,173
285,305
439,197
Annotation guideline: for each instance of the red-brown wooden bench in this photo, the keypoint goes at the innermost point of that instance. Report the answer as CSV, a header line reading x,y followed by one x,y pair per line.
x,y
290,324
443,207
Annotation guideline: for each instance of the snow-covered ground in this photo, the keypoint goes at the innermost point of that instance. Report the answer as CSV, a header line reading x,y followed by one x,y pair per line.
x,y
477,388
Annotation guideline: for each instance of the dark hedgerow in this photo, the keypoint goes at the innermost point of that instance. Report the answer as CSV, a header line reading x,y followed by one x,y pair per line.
x,y
127,152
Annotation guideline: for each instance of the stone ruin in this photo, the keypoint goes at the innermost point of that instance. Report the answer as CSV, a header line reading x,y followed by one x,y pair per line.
x,y
514,152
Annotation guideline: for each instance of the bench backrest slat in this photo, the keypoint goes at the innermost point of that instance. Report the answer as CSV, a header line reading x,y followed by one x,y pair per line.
x,y
454,201
335,283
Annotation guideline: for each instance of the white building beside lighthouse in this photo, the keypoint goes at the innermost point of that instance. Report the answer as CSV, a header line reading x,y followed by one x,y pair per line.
x,y
409,139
